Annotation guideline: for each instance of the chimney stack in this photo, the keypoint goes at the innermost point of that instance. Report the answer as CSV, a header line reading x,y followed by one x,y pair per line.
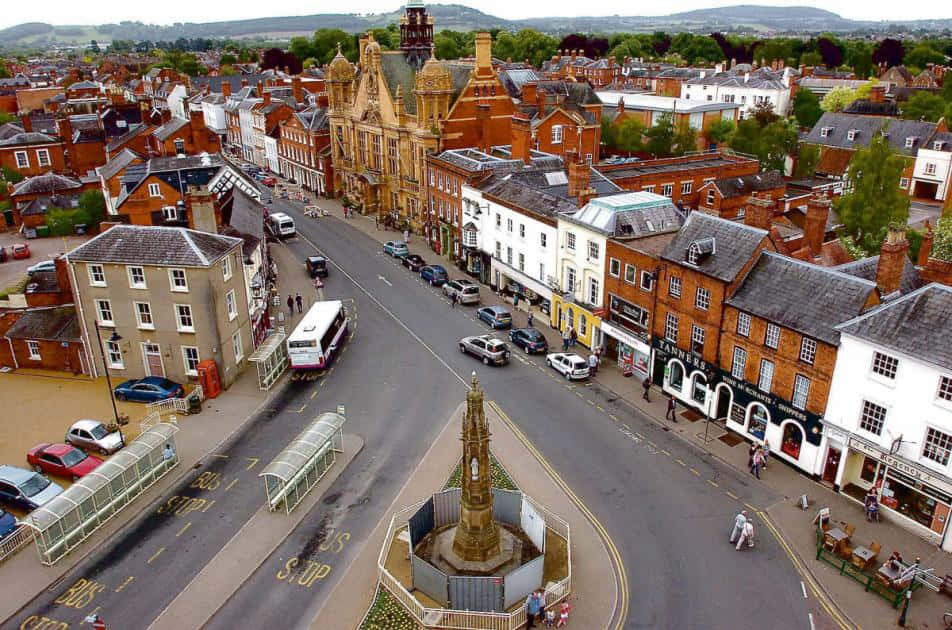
x,y
759,213
484,57
225,88
925,248
579,176
297,90
521,138
814,228
540,102
529,92
877,94
892,261
267,97
27,123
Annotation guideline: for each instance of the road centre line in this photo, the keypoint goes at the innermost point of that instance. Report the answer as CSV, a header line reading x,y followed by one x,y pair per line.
x,y
732,495
803,587
156,555
713,483
182,531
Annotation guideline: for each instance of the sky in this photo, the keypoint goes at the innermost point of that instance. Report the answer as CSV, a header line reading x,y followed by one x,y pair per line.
x,y
170,11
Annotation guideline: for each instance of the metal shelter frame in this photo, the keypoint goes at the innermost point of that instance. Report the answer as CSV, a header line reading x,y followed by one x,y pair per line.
x,y
271,359
298,468
72,516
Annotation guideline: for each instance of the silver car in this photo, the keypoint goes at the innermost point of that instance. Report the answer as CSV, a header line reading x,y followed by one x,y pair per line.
x,y
487,348
93,435
26,489
466,292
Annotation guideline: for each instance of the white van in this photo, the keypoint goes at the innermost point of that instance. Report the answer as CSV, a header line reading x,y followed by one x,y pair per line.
x,y
281,225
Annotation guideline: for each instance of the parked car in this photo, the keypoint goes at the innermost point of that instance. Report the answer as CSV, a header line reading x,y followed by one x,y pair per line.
x,y
26,489
495,316
569,365
148,389
316,266
93,435
413,262
466,292
8,524
64,460
486,348
434,274
20,251
46,265
397,249
529,339
269,181
3,254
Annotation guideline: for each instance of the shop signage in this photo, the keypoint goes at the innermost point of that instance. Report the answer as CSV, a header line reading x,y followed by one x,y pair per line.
x,y
904,466
670,350
625,337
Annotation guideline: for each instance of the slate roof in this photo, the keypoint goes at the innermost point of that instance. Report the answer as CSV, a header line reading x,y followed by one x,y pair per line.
x,y
762,79
735,244
731,187
154,245
313,118
916,324
31,137
866,268
867,107
178,172
45,183
513,190
10,129
167,130
134,130
55,324
784,291
866,127
118,162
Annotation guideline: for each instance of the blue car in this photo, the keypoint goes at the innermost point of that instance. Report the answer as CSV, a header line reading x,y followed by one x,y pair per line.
x,y
149,389
495,316
434,274
8,524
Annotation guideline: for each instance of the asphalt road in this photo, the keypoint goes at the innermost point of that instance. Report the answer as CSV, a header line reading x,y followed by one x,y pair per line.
x,y
664,503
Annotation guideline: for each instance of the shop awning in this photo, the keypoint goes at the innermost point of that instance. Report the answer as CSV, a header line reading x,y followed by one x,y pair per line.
x,y
625,337
523,279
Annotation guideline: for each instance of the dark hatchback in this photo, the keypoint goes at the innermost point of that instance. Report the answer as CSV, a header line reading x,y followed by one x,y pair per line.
x,y
434,274
529,339
413,262
316,266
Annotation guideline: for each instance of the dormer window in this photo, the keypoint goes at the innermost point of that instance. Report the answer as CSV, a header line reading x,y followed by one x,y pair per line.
x,y
910,141
826,131
937,145
699,250
851,134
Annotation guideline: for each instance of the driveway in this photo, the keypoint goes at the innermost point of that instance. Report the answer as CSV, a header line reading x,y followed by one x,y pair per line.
x,y
40,249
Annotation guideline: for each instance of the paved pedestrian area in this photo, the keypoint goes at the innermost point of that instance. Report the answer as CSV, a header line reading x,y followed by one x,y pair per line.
x,y
593,592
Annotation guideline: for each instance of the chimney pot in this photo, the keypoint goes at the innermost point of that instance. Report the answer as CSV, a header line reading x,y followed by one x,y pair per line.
x,y
892,260
759,213
814,228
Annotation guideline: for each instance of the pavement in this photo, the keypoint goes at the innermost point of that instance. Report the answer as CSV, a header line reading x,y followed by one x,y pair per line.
x,y
592,598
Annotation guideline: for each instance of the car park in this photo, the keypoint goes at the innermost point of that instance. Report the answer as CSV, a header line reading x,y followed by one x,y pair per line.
x,y
466,292
8,524
92,435
46,265
20,251
316,266
397,249
149,389
64,460
434,274
26,489
486,348
495,316
529,339
413,262
569,365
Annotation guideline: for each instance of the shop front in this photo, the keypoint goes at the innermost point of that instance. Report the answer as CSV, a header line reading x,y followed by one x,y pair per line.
x,y
794,435
624,338
915,497
565,313
514,282
681,374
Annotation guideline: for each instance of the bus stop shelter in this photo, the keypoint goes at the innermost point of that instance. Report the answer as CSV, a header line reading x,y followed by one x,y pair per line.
x,y
72,516
304,461
271,359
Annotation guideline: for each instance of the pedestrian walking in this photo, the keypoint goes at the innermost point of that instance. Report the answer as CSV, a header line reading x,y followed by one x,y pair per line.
x,y
515,301
376,223
671,413
766,452
532,609
750,457
593,364
746,535
758,461
530,320
564,611
300,302
566,338
453,299
573,336
646,384
406,236
739,521
290,305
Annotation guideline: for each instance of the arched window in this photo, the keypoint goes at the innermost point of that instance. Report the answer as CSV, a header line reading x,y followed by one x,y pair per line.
x,y
757,419
698,388
675,375
792,439
581,324
476,91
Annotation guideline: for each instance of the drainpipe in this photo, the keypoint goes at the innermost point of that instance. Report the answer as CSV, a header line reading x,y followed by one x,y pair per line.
x,y
93,368
16,364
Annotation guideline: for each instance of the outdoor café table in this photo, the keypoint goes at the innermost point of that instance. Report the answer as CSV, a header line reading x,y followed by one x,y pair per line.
x,y
838,536
890,572
864,555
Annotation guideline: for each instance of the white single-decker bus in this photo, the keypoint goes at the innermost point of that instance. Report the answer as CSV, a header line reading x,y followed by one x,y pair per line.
x,y
318,336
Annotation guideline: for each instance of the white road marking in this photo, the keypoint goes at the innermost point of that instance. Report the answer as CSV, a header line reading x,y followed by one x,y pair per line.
x,y
385,281
810,616
804,589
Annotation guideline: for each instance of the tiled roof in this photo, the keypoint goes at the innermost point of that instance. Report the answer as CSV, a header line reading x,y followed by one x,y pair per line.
x,y
734,245
838,127
167,130
731,187
784,291
46,183
54,324
154,245
872,108
123,159
866,268
916,324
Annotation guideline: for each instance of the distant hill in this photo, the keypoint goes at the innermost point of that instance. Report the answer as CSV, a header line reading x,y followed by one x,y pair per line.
x,y
802,19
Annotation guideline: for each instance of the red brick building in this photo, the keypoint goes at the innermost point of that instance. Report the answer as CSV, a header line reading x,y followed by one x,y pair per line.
x,y
727,197
565,117
185,136
31,153
303,150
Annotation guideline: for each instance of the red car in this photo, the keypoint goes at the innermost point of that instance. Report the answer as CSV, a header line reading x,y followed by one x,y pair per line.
x,y
269,181
63,460
20,251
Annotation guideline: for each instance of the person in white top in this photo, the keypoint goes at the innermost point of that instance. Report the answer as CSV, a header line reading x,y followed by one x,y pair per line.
x,y
739,521
746,535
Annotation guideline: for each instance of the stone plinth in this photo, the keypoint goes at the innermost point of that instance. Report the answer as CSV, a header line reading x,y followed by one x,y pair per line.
x,y
510,552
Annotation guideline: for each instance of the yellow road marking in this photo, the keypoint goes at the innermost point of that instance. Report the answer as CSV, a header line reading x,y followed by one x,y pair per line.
x,y
591,402
619,566
301,410
219,456
314,394
732,495
124,584
640,436
666,452
713,483
613,417
750,507
182,531
681,461
229,486
156,555
651,443
696,473
253,460
579,394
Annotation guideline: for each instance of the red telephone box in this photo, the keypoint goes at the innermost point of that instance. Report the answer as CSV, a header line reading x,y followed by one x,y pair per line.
x,y
208,377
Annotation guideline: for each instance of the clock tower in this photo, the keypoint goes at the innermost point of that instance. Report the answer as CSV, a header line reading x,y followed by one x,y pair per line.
x,y
416,33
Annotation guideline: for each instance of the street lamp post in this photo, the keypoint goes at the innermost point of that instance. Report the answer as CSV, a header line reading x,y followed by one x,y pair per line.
x,y
113,338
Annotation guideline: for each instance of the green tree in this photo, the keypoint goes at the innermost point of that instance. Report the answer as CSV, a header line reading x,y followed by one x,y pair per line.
x,y
720,131
923,54
806,108
660,137
811,58
93,205
685,139
859,55
875,200
837,99
4,73
446,47
324,45
942,239
229,59
771,144
609,133
807,160
630,133
227,71
11,176
5,118
924,105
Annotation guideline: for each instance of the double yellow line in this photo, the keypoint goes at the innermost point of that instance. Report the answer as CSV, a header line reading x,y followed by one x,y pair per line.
x,y
617,565
817,590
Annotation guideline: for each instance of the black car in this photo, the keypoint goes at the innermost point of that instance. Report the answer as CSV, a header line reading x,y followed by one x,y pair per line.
x,y
529,339
316,266
413,262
